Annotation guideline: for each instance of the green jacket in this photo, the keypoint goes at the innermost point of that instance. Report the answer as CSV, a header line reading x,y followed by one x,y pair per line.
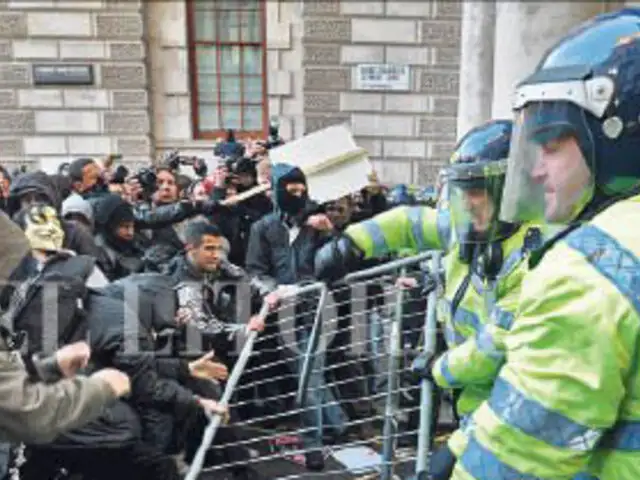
x,y
473,338
568,396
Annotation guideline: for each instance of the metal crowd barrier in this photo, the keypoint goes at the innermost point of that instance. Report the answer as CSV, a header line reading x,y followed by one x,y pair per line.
x,y
383,441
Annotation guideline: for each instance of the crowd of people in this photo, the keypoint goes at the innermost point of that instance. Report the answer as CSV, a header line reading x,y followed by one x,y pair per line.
x,y
539,304
94,230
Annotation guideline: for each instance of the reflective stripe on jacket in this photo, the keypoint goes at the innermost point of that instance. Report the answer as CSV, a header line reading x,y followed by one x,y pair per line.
x,y
568,396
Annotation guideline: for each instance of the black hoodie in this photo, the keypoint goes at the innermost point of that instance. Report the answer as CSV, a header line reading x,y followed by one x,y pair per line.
x,y
76,238
271,258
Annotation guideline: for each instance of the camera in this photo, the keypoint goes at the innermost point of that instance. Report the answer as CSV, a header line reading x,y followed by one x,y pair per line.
x,y
147,179
199,165
273,140
120,175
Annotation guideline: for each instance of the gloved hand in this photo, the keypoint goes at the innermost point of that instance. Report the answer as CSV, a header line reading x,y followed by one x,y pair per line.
x,y
336,258
421,366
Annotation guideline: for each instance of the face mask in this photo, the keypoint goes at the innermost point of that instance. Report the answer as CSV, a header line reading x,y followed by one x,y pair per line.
x,y
43,229
292,204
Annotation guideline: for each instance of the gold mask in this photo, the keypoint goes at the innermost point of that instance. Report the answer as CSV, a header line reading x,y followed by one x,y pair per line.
x,y
43,229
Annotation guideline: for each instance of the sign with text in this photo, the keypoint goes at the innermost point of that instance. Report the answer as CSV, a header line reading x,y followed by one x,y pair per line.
x,y
63,74
374,76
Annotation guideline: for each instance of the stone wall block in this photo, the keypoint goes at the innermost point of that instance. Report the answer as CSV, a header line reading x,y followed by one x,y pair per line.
x,y
14,75
123,76
327,29
321,54
327,79
126,123
126,51
13,25
322,102
119,26
129,99
17,122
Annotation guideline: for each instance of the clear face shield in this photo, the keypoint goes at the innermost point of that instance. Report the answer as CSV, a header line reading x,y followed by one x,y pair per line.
x,y
475,192
550,172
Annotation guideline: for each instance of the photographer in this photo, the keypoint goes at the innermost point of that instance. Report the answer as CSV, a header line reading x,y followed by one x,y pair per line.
x,y
230,148
274,139
158,209
236,177
86,177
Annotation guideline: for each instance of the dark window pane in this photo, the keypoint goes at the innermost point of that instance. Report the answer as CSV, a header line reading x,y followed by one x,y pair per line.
x,y
252,60
207,88
252,89
205,26
229,26
252,118
230,60
251,30
230,89
208,117
231,117
206,60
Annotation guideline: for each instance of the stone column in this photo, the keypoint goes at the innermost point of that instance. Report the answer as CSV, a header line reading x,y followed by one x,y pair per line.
x,y
524,31
476,64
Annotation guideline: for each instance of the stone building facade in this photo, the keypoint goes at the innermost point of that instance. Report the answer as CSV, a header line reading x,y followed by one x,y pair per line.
x,y
44,125
141,104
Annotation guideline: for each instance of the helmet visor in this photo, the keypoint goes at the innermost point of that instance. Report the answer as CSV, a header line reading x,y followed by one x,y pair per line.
x,y
548,177
475,192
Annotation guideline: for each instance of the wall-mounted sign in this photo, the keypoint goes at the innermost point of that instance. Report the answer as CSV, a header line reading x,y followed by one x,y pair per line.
x,y
380,76
55,74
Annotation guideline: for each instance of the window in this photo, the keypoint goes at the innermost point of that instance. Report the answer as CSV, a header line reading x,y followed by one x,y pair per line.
x,y
227,56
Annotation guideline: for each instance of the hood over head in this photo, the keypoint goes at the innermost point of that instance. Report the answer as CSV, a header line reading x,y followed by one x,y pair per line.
x,y
110,211
75,204
283,174
35,182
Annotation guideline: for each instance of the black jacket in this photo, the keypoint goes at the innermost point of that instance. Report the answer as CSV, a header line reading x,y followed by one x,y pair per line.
x,y
116,334
165,243
235,222
272,259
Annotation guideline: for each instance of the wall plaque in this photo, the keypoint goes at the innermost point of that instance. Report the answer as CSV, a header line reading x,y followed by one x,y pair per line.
x,y
395,78
60,74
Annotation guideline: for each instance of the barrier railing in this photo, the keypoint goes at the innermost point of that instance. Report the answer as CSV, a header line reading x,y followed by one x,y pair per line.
x,y
338,360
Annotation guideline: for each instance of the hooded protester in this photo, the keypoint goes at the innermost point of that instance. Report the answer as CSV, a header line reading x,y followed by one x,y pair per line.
x,y
41,398
84,310
35,187
78,210
282,247
121,250
282,244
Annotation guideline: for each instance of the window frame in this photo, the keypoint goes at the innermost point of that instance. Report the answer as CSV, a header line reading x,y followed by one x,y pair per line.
x,y
194,93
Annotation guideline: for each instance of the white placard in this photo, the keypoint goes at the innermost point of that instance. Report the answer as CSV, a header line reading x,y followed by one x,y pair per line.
x,y
313,152
382,76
